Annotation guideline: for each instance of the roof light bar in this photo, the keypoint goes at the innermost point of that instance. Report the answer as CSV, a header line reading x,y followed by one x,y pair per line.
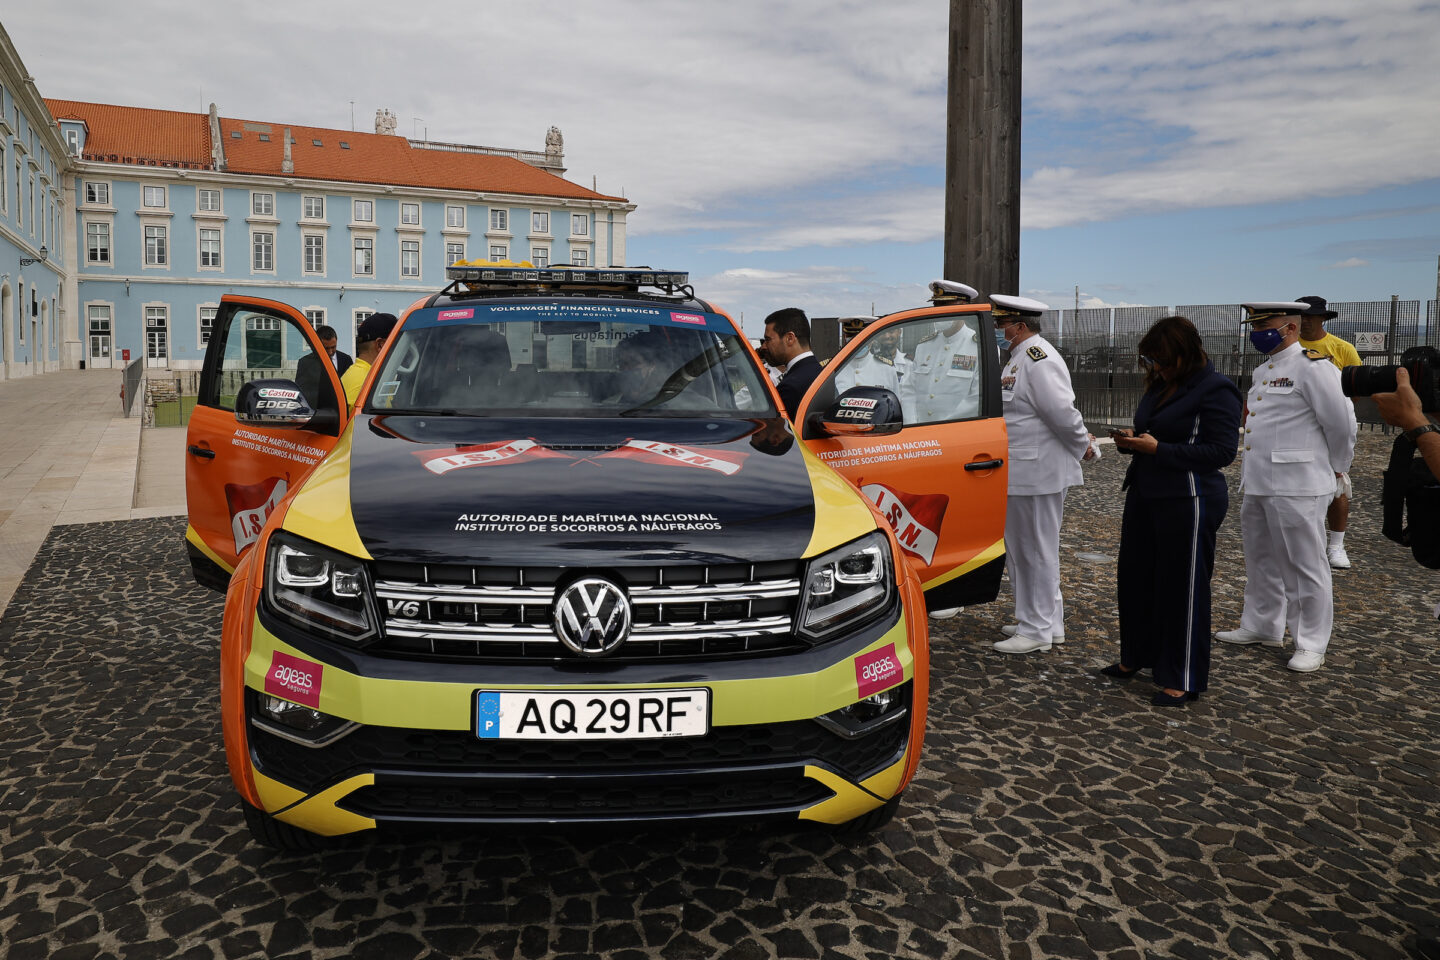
x,y
512,272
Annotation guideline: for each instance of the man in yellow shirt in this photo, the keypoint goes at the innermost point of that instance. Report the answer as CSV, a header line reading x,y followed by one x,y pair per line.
x,y
1343,354
374,331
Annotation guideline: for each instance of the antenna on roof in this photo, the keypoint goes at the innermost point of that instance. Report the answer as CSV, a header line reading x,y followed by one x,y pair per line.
x,y
352,116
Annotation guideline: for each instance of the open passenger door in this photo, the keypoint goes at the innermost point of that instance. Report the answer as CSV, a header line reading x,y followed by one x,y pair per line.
x,y
236,474
939,475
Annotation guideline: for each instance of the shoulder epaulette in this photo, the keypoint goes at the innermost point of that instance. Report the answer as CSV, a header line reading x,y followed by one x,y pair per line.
x,y
928,339
1315,355
1035,353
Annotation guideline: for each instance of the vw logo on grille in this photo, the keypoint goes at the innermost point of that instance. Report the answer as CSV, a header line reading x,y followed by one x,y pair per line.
x,y
592,617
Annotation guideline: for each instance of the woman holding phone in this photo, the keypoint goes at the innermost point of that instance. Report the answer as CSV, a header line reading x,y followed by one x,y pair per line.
x,y
1186,430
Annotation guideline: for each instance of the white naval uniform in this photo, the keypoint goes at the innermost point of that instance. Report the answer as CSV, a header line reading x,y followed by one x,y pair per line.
x,y
944,380
1048,439
1299,431
871,370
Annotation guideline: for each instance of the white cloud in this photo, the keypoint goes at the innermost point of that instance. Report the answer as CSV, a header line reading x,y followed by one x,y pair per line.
x,y
1348,264
750,293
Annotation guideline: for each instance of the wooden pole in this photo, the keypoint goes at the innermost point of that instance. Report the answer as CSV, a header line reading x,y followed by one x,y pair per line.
x,y
982,151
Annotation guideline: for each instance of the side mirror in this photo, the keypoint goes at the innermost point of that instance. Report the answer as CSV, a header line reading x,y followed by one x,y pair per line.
x,y
273,403
861,411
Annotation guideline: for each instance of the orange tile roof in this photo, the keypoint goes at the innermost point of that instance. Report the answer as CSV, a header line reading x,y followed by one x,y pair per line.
x,y
118,134
139,135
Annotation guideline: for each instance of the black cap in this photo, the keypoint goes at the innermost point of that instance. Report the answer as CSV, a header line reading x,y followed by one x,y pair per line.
x,y
377,326
1316,308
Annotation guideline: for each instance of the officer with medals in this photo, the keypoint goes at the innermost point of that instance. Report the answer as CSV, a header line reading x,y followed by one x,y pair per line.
x,y
1048,440
1298,440
944,382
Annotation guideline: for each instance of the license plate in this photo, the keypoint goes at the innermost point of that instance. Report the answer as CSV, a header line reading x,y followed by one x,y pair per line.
x,y
591,715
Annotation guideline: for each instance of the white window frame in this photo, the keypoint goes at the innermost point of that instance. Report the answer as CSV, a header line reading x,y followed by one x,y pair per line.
x,y
315,316
97,202
503,254
577,253
355,206
202,192
145,329
262,203
540,223
419,252
109,260
357,317
254,235
406,208
109,308
450,253
145,194
201,340
582,221
305,238
355,241
306,200
540,256
499,220
162,263
450,210
200,232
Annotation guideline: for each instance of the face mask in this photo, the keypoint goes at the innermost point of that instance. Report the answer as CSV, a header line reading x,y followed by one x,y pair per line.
x,y
1001,342
1266,340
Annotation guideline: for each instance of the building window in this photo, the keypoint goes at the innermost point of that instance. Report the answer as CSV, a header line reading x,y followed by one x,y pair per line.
x,y
580,257
97,242
156,322
358,316
314,253
410,258
499,219
154,197
4,182
210,248
316,316
72,140
156,247
207,323
313,207
207,200
262,204
364,211
540,256
498,251
540,222
262,252
579,225
99,331
96,192
410,213
364,257
454,253
454,216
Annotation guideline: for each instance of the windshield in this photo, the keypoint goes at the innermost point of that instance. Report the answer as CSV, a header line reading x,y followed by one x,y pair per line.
x,y
569,360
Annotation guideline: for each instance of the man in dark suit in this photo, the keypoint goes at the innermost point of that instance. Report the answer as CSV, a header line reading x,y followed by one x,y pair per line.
x,y
787,346
309,373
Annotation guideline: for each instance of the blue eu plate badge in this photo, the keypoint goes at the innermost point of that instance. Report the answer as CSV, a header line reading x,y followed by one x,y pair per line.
x,y
487,716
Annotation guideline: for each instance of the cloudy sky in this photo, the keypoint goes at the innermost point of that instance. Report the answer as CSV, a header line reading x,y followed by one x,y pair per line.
x,y
793,154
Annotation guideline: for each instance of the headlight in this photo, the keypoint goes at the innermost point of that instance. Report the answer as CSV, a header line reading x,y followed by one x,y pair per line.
x,y
847,584
318,589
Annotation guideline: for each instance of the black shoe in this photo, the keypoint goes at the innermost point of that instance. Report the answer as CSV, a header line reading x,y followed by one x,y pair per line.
x,y
1163,699
1118,672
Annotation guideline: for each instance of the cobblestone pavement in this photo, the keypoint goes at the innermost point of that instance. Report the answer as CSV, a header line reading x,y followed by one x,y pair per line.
x,y
1056,814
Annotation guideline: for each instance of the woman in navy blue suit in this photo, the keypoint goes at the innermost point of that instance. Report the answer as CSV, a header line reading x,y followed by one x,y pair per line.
x,y
1186,430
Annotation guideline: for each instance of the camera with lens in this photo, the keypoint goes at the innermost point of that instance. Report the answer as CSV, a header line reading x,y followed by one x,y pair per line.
x,y
1421,363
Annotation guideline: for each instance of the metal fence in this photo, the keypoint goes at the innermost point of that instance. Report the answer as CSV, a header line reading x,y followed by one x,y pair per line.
x,y
1099,345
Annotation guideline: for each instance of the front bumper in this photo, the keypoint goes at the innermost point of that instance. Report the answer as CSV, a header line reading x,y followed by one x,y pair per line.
x,y
412,756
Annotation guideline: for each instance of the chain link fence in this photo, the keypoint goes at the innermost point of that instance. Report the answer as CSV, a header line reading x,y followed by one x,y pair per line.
x,y
1099,345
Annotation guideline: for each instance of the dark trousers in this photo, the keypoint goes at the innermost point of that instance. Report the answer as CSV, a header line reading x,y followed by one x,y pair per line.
x,y
1167,554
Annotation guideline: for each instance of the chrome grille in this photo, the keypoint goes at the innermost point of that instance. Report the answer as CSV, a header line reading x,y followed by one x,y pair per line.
x,y
503,613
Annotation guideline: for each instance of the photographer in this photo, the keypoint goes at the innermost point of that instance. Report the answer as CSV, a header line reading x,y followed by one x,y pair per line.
x,y
1402,409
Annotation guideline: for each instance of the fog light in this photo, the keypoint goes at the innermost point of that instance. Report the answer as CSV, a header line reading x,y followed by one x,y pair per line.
x,y
864,717
292,715
873,706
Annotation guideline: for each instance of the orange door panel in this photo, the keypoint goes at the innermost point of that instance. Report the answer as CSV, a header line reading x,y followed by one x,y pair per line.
x,y
235,475
941,479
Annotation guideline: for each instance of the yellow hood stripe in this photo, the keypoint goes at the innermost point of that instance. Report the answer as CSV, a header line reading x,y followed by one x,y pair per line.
x,y
194,538
321,510
841,512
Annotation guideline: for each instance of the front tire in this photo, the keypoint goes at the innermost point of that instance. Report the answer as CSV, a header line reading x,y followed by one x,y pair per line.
x,y
277,835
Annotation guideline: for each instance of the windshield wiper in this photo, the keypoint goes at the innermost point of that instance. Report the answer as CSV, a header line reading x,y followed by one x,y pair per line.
x,y
398,412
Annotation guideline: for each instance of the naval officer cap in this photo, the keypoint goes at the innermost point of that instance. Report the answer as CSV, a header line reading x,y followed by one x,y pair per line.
x,y
1265,309
1004,305
949,291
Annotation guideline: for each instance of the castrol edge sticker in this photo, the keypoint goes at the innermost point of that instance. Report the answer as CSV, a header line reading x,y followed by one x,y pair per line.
x,y
291,678
916,518
877,670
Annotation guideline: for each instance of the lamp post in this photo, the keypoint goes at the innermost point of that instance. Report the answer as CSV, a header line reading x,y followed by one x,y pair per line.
x,y
44,255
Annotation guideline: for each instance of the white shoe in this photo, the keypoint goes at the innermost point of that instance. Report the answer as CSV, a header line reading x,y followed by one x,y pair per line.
x,y
945,613
1010,629
1339,559
1021,645
1306,662
1245,637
